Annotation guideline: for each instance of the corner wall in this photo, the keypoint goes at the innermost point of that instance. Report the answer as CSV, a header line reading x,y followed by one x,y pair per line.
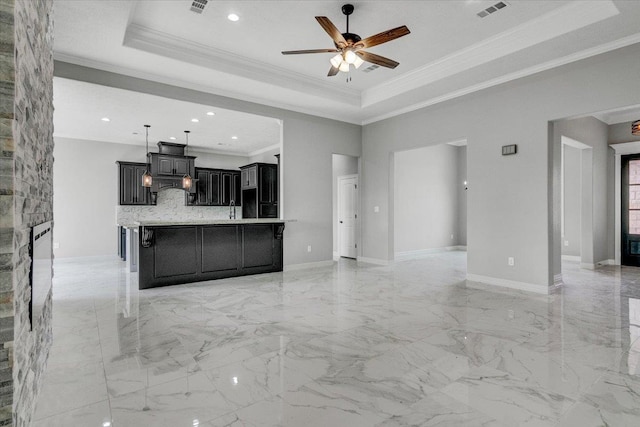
x,y
511,202
26,129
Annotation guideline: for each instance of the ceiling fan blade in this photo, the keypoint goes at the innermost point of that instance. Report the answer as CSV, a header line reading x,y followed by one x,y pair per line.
x,y
383,37
333,71
377,59
298,52
331,29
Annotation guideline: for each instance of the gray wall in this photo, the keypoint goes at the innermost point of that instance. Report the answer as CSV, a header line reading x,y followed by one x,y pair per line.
x,y
462,195
266,157
513,201
426,194
594,231
307,148
621,132
572,200
87,207
341,165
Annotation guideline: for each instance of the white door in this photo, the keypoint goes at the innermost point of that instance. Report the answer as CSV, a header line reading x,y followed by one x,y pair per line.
x,y
347,215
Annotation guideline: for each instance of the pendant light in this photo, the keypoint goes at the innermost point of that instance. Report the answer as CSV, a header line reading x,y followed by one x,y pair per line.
x,y
147,179
635,128
187,180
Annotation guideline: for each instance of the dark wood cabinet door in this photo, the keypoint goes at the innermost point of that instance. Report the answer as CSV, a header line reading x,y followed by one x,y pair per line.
x,y
131,191
227,188
216,196
181,166
165,165
236,194
257,241
202,187
264,188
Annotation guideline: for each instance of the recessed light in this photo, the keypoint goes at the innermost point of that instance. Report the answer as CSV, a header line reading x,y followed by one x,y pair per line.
x,y
211,113
233,17
195,120
105,119
234,137
172,138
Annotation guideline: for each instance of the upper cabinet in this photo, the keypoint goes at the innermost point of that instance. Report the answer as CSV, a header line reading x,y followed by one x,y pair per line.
x,y
259,190
249,176
130,187
164,165
216,187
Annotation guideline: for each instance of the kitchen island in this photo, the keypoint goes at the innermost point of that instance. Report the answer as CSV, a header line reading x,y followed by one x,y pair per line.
x,y
174,252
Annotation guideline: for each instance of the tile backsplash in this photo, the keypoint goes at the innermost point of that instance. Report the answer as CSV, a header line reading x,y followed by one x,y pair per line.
x,y
171,207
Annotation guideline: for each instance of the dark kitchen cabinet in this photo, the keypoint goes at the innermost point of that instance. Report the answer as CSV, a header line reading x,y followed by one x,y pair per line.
x,y
130,189
171,166
217,187
249,176
230,187
260,200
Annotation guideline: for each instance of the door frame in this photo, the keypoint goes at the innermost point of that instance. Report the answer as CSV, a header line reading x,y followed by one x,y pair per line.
x,y
356,228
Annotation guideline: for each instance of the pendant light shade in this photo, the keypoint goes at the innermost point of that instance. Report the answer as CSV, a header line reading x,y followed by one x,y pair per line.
x,y
635,128
147,179
187,181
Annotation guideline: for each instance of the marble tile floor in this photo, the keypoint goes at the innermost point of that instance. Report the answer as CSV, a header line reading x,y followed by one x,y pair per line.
x,y
410,344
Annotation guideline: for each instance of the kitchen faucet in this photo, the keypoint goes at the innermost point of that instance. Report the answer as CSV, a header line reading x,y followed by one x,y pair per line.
x,y
232,212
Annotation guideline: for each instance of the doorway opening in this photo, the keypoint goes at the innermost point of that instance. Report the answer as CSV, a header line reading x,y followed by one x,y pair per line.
x,y
576,221
346,204
430,200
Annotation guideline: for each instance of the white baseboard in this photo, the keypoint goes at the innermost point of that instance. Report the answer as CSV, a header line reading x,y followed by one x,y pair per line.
x,y
336,256
587,266
505,283
574,258
306,265
607,262
373,260
421,253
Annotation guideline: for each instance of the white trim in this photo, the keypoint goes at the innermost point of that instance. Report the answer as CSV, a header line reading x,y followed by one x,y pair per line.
x,y
376,261
421,253
607,262
458,142
588,266
356,228
560,21
336,256
572,258
145,75
264,150
506,283
307,265
587,53
170,46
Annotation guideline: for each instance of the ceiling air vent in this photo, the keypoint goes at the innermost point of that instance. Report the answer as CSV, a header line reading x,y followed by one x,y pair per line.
x,y
198,5
370,68
492,9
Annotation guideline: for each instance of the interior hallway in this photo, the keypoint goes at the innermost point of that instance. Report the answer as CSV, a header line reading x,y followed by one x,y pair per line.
x,y
407,344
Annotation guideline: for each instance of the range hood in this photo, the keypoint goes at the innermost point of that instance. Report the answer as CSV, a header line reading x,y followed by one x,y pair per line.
x,y
169,165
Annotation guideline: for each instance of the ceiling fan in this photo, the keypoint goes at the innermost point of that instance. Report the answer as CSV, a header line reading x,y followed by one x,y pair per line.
x,y
350,47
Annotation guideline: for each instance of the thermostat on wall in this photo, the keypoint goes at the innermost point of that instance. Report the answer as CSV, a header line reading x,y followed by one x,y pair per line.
x,y
509,149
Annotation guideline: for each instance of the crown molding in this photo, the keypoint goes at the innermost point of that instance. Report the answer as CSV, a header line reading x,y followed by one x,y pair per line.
x,y
563,20
145,75
587,53
263,150
161,43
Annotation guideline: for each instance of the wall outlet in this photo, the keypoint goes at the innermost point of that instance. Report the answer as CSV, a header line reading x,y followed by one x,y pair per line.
x,y
376,209
511,261
56,245
309,248
566,243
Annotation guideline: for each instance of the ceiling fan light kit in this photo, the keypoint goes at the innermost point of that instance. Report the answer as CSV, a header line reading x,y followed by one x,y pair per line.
x,y
350,47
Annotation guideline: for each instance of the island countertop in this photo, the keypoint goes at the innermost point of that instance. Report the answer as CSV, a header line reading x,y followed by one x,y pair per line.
x,y
136,224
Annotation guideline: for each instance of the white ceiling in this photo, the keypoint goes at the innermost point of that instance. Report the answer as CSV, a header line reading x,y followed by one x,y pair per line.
x,y
80,107
450,51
